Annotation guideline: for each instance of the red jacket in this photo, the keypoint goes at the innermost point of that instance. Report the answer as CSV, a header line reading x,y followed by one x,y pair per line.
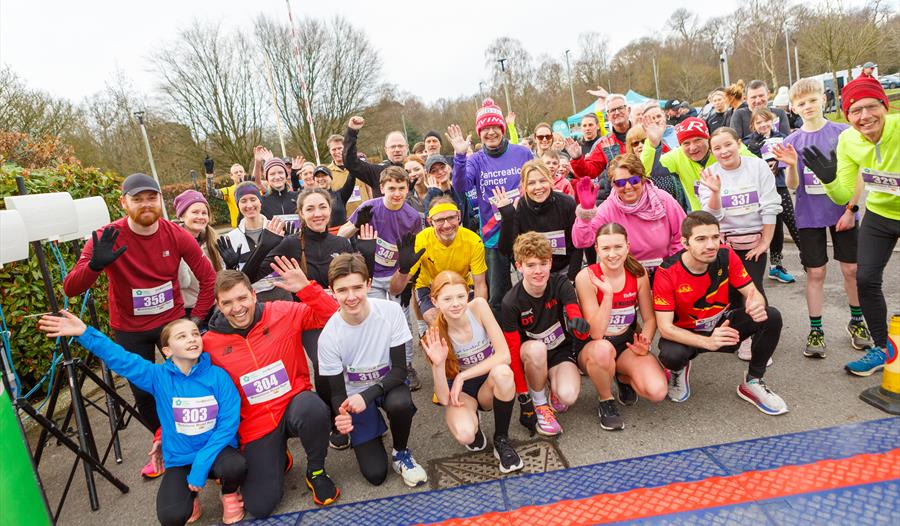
x,y
274,338
151,262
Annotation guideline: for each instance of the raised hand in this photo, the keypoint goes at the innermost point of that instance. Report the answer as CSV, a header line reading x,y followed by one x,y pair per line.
x,y
455,136
824,166
785,153
356,123
276,226
724,336
290,228
654,133
641,345
367,232
407,257
103,254
501,198
710,180
586,193
66,324
431,182
208,165
297,162
601,95
435,347
573,148
511,118
601,285
363,216
293,279
230,256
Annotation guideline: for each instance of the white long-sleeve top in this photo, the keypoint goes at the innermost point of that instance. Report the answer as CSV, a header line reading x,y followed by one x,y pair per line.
x,y
748,194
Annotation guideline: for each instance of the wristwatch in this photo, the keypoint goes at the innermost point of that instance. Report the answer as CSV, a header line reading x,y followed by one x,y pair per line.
x,y
853,208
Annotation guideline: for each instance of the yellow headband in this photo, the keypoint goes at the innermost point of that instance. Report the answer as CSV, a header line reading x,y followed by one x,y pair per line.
x,y
442,207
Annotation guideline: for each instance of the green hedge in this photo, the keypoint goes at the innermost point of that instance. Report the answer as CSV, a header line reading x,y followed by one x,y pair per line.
x,y
21,282
218,207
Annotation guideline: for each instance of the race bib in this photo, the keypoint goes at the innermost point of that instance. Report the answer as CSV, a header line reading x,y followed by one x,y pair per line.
x,y
266,384
811,184
740,201
708,324
386,254
475,355
552,337
697,189
621,319
650,264
363,376
557,239
195,416
512,194
881,181
355,196
147,302
289,218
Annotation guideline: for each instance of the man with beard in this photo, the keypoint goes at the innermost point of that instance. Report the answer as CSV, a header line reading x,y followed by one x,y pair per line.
x,y
141,254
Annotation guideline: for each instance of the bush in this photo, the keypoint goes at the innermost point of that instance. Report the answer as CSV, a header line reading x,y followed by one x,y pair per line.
x,y
218,208
21,282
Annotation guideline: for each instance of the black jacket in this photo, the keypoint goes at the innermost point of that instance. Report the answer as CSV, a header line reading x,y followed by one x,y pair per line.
x,y
278,202
366,172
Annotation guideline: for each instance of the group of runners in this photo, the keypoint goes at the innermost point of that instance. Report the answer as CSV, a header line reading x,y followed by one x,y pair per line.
x,y
653,229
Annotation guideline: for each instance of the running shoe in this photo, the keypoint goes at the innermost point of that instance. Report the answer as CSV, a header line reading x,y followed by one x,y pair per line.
x,y
625,394
289,462
815,345
869,364
506,454
413,474
860,338
610,419
744,351
196,512
527,417
232,508
557,406
758,393
480,441
679,384
546,421
414,383
338,441
779,273
150,472
323,489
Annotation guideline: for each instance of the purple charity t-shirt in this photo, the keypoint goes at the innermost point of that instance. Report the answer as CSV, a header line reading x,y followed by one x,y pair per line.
x,y
391,225
814,209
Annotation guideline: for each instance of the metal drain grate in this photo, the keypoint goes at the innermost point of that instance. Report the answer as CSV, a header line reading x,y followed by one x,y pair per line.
x,y
539,456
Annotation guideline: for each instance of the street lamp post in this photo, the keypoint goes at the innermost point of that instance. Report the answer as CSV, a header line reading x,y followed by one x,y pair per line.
x,y
655,78
571,85
502,62
140,118
724,59
787,49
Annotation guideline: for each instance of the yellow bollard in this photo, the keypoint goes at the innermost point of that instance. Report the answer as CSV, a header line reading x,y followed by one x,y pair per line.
x,y
887,396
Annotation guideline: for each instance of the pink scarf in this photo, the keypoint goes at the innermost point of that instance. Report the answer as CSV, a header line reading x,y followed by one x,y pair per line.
x,y
649,207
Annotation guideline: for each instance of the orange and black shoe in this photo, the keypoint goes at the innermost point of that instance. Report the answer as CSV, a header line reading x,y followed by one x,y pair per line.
x,y
290,460
323,489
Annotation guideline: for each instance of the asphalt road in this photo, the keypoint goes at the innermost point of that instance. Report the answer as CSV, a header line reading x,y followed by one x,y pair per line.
x,y
818,392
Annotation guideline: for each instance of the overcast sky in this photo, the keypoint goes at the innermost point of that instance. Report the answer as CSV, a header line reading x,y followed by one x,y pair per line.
x,y
71,48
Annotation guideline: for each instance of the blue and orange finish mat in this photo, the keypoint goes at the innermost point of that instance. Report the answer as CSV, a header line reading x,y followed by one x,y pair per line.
x,y
844,475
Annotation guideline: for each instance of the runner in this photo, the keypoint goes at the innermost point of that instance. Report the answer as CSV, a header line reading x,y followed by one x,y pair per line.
x,y
470,364
690,297
612,292
338,198
869,156
200,408
817,215
433,143
415,167
361,191
498,164
280,200
542,210
258,345
192,209
560,178
226,194
395,147
361,355
757,97
542,321
439,185
140,254
608,146
716,118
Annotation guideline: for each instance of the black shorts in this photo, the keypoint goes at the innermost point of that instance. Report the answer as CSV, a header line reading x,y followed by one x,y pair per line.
x,y
620,341
814,247
471,386
567,352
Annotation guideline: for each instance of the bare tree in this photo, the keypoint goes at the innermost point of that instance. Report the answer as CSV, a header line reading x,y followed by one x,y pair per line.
x,y
31,111
762,33
592,64
212,82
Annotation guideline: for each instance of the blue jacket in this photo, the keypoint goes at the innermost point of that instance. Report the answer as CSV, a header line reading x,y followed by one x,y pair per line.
x,y
199,436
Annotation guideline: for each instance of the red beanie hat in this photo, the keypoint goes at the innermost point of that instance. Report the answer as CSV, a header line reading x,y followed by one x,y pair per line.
x,y
489,114
690,128
862,88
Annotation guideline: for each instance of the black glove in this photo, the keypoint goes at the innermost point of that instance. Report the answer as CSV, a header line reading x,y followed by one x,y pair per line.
x,y
527,417
755,143
363,216
229,255
290,228
579,327
208,165
407,256
825,167
104,254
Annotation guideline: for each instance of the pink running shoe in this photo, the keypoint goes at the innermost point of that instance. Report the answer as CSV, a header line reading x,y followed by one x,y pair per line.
x,y
546,421
150,472
232,508
195,515
557,406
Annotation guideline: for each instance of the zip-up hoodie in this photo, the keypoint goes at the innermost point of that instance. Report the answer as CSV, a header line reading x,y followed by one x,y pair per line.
x,y
272,341
205,389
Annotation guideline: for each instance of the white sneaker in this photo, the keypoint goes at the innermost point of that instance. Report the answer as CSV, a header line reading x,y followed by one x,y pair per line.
x,y
679,384
413,474
744,352
758,393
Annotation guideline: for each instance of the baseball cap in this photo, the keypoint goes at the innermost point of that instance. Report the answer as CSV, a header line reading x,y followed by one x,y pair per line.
x,y
137,183
432,160
321,170
671,104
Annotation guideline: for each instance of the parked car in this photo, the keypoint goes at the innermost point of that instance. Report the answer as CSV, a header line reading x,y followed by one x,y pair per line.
x,y
890,81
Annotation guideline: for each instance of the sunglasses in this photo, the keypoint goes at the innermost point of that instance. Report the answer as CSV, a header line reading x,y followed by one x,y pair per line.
x,y
635,144
634,180
543,137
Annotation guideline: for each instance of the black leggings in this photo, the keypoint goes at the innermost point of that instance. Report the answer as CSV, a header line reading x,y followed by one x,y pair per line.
x,y
674,356
175,502
757,271
877,238
311,345
142,344
371,455
786,217
306,417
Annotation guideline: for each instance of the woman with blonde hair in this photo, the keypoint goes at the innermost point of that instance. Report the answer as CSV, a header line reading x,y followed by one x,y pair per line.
x,y
469,360
734,96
